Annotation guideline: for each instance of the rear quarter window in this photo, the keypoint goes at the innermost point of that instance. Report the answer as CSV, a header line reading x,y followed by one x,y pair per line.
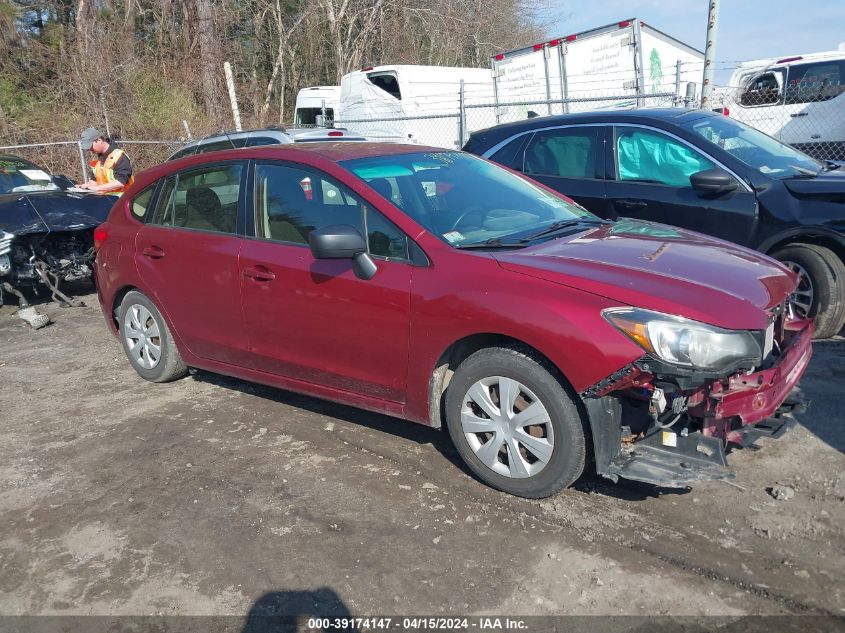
x,y
513,153
141,202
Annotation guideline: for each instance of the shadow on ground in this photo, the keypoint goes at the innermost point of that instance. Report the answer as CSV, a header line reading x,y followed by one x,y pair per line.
x,y
292,611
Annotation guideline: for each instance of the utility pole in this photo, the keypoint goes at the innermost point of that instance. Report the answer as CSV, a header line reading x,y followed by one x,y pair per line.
x,y
710,54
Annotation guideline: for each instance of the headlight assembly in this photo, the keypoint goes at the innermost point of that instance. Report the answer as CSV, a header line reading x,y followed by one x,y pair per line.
x,y
684,342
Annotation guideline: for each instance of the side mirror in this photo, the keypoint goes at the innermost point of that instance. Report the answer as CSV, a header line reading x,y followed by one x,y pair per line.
x,y
713,182
342,241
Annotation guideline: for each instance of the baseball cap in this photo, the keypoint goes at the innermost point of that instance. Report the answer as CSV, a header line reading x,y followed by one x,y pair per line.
x,y
88,137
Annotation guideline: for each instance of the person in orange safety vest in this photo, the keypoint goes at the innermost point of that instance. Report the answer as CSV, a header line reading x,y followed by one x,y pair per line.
x,y
111,168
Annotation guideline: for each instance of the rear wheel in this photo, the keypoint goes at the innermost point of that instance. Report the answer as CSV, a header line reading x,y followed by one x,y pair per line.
x,y
821,286
147,341
514,424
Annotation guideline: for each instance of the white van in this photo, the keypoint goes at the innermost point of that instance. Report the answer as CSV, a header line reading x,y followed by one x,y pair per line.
x,y
799,100
412,104
316,101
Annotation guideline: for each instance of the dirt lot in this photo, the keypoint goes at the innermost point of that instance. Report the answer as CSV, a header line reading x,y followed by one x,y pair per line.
x,y
212,495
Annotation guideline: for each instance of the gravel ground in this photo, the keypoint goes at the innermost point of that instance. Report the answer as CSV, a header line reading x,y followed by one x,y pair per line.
x,y
214,496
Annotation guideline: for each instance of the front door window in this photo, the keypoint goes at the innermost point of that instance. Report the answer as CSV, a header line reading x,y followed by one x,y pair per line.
x,y
646,156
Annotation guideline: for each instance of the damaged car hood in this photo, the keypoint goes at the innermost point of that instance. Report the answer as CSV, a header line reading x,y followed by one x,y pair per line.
x,y
25,213
662,268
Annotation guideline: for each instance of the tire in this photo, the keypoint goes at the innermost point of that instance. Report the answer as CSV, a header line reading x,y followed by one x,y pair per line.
x,y
825,273
153,353
558,437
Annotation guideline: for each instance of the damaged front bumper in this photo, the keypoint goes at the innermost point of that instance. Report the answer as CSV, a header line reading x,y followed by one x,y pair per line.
x,y
631,443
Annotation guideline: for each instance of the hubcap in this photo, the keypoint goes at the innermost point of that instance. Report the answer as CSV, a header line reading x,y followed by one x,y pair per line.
x,y
141,333
801,300
507,427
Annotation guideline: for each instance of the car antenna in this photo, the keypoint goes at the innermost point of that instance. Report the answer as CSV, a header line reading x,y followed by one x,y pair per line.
x,y
229,138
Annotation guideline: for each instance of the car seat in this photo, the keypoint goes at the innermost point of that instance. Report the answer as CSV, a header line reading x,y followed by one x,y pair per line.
x,y
204,211
382,187
286,211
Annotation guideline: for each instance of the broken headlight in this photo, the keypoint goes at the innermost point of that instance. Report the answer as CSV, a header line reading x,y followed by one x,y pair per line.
x,y
684,342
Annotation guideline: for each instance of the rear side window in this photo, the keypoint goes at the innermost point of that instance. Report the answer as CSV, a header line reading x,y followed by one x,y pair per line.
x,y
566,153
387,82
217,146
203,199
262,140
141,202
764,90
808,83
185,151
651,157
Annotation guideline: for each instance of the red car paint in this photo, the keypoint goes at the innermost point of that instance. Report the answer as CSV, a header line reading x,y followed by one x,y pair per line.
x,y
318,329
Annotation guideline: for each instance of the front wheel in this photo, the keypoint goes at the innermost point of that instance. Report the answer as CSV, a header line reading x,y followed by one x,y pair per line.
x,y
820,294
514,424
147,341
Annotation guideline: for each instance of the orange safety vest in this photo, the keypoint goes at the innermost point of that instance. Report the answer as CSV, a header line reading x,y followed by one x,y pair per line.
x,y
104,172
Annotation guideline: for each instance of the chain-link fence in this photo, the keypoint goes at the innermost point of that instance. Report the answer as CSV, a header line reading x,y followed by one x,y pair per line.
x,y
807,114
68,158
452,129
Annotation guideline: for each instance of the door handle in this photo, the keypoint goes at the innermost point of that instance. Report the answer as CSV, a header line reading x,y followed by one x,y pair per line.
x,y
153,252
259,273
632,204
796,114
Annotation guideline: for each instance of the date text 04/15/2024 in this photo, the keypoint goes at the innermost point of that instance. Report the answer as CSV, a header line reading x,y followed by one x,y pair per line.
x,y
482,623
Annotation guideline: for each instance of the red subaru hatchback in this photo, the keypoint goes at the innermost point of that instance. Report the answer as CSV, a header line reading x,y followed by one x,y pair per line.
x,y
435,286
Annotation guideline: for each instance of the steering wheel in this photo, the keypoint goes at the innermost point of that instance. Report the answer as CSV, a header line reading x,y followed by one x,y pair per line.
x,y
466,213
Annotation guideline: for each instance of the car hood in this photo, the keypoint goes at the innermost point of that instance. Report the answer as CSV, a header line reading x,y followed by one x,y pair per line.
x,y
826,183
24,213
662,268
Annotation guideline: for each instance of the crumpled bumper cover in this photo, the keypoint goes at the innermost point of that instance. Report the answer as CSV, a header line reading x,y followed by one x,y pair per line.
x,y
752,398
734,410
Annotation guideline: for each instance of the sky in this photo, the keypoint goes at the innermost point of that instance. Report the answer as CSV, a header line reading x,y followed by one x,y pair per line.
x,y
748,29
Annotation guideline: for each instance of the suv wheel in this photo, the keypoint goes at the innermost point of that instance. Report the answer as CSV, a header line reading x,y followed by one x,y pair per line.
x,y
821,287
147,341
514,424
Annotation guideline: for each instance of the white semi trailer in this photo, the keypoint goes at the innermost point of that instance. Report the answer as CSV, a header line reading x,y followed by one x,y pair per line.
x,y
612,66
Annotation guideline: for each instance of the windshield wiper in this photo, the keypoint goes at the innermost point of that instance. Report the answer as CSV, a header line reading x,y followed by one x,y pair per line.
x,y
493,243
829,165
559,225
803,172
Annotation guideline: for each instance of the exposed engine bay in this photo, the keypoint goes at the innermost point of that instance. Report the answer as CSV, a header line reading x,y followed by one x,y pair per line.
x,y
39,260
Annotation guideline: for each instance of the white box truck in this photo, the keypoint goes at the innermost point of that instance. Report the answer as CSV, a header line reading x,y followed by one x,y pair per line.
x,y
314,102
799,100
610,66
410,103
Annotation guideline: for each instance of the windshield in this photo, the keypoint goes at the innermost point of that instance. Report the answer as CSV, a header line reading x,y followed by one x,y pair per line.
x,y
754,148
463,199
20,176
